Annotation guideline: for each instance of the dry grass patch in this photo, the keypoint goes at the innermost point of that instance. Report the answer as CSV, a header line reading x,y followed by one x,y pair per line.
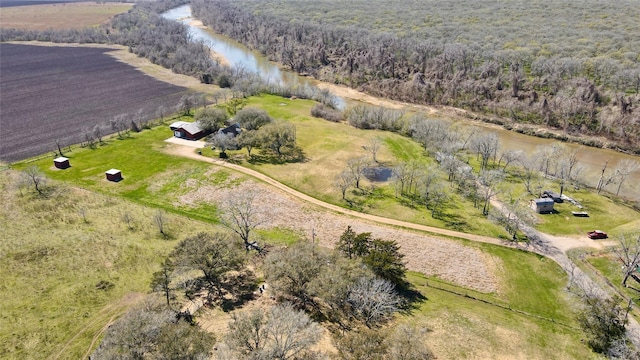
x,y
59,16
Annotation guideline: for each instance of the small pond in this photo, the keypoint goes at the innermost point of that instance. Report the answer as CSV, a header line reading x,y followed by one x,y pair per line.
x,y
378,174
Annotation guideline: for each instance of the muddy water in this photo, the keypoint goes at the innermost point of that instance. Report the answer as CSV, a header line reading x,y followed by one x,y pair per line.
x,y
236,54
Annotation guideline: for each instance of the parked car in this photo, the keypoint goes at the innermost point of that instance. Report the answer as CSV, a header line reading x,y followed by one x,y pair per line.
x,y
597,234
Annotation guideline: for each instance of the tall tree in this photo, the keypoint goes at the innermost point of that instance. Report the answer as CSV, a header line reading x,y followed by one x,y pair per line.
x,y
161,281
216,257
242,215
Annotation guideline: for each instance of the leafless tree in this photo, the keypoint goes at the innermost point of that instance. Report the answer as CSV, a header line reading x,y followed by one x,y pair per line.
x,y
161,112
242,216
490,181
128,219
623,170
486,145
408,342
357,166
373,300
628,252
36,178
283,333
510,156
59,146
160,219
186,104
343,181
373,146
529,172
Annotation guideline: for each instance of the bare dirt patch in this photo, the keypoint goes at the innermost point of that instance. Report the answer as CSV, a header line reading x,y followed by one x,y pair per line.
x,y
446,259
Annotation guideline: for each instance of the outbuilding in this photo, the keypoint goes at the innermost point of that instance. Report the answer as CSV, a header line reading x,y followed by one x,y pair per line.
x,y
113,175
542,205
61,162
187,130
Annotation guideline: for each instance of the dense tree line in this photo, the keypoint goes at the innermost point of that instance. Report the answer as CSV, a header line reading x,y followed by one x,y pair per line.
x,y
574,95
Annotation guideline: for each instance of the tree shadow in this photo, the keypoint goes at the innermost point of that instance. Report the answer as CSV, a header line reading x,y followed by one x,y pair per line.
x,y
413,299
293,155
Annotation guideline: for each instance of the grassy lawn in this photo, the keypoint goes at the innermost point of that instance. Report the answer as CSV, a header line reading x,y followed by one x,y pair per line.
x,y
150,177
605,213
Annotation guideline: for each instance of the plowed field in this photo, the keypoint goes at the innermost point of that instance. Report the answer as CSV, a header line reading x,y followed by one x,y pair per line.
x,y
49,93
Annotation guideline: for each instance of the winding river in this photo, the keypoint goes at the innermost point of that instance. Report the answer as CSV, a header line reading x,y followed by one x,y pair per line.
x,y
236,54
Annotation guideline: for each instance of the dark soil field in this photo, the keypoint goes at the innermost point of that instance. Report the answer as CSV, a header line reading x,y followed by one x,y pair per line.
x,y
49,93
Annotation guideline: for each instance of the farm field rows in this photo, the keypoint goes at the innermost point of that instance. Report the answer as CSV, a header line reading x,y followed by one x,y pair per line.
x,y
75,89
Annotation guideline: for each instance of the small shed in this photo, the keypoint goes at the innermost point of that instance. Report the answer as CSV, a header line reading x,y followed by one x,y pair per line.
x,y
113,175
542,205
61,162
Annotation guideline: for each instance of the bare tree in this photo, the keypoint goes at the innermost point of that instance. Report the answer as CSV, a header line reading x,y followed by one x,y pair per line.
x,y
510,156
59,146
284,333
529,172
623,170
128,219
628,252
223,142
186,104
486,145
343,181
490,181
357,166
36,178
242,216
160,219
408,343
373,300
161,112
373,146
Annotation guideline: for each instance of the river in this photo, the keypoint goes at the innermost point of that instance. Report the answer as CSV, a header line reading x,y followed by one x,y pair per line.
x,y
235,54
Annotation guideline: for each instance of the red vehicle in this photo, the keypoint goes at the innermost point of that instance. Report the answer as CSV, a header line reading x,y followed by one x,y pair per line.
x,y
597,234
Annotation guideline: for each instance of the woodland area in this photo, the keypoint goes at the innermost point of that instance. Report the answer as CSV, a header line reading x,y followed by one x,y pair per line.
x,y
577,73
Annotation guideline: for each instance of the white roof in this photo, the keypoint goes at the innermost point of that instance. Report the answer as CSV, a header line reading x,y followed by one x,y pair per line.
x,y
192,128
112,171
178,124
60,159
